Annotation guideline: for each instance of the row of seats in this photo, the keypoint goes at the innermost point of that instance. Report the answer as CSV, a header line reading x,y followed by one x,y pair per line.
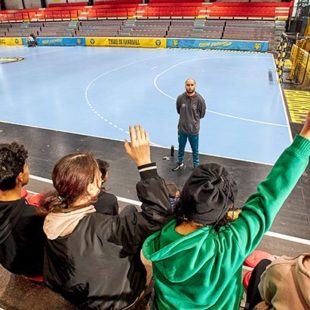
x,y
182,9
192,28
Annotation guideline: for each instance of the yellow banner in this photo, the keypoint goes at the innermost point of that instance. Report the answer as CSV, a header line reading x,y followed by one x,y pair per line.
x,y
127,42
303,58
307,30
308,68
294,52
11,41
298,103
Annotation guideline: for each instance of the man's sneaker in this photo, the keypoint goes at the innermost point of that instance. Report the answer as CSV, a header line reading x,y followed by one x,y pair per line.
x,y
178,167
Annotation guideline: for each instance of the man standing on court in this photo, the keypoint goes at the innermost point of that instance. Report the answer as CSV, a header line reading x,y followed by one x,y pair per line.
x,y
191,107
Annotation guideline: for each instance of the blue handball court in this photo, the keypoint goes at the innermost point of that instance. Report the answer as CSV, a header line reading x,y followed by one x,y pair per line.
x,y
98,92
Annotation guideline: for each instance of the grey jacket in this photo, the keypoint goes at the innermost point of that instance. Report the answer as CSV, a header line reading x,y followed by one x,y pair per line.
x,y
191,110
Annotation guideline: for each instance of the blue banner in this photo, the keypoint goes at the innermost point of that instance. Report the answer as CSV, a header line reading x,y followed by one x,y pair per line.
x,y
54,41
255,46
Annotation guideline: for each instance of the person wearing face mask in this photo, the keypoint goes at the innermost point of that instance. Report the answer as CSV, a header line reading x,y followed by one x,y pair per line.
x,y
93,259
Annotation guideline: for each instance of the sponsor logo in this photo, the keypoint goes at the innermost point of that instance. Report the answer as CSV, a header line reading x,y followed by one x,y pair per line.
x,y
215,44
158,42
257,46
6,60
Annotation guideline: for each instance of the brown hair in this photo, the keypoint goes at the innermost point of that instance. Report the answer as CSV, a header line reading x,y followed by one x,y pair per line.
x,y
71,176
172,189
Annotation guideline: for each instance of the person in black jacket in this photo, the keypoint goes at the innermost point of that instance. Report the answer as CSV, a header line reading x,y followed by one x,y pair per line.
x,y
21,228
32,40
107,202
93,259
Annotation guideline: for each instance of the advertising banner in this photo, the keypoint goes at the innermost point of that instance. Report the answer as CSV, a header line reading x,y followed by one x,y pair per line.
x,y
127,42
11,41
255,46
54,41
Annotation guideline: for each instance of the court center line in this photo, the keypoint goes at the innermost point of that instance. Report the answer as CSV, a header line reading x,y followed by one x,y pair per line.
x,y
138,203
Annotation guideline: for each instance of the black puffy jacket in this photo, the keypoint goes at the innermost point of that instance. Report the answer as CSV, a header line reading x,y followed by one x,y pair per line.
x,y
98,266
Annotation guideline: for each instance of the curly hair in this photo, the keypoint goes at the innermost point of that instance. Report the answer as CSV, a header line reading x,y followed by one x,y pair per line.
x,y
12,160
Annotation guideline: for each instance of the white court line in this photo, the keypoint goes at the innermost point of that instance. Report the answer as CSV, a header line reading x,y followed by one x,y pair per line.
x,y
92,108
138,203
288,238
208,110
247,119
125,200
34,177
283,101
63,131
236,158
73,132
118,140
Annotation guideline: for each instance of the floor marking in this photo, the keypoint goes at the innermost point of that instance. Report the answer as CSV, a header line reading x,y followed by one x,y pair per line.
x,y
298,103
211,111
283,103
118,140
138,203
90,84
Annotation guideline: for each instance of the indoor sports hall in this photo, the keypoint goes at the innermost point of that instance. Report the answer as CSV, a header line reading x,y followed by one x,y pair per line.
x,y
64,99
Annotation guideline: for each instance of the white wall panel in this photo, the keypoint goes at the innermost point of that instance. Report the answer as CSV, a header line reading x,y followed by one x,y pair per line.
x,y
55,1
64,1
13,4
32,4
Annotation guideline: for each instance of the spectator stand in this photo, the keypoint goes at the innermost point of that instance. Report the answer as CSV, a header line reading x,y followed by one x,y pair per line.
x,y
281,56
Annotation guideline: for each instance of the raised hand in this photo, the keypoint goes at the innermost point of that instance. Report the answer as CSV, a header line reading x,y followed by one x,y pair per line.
x,y
305,132
138,148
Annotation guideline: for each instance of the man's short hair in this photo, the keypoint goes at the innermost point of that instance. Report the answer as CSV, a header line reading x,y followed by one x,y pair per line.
x,y
12,160
191,80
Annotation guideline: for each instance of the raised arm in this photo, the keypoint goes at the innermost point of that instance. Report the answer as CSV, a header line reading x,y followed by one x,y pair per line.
x,y
305,132
138,148
151,190
132,229
262,207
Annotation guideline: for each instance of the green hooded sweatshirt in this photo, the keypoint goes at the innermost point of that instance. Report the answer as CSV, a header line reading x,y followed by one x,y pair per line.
x,y
203,269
